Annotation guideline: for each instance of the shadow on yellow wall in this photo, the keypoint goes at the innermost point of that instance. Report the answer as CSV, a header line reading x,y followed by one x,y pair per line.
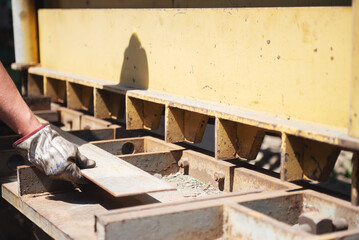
x,y
134,72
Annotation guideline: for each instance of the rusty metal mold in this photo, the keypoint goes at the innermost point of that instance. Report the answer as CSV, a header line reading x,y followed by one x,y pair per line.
x,y
318,210
147,153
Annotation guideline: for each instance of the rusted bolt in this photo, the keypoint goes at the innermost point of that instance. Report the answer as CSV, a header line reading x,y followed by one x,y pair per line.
x,y
87,127
340,224
219,176
303,227
318,222
183,163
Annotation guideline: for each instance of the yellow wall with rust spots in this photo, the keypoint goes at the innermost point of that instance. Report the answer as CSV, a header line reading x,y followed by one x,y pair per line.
x,y
290,62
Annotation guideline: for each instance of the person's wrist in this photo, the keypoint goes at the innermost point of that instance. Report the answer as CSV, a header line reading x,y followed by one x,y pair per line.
x,y
30,134
32,126
27,123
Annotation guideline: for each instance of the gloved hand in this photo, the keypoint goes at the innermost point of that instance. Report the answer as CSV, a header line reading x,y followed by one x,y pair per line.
x,y
54,155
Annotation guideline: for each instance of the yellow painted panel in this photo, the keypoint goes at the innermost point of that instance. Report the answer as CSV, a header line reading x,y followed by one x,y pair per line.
x,y
189,3
289,62
354,87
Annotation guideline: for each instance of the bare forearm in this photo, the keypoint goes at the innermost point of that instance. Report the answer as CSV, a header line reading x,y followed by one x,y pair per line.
x,y
13,110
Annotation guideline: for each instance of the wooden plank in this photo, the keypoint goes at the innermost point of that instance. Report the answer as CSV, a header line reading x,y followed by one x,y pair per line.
x,y
302,53
113,174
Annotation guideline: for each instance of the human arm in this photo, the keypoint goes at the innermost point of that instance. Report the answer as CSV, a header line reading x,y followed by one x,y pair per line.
x,y
14,112
44,147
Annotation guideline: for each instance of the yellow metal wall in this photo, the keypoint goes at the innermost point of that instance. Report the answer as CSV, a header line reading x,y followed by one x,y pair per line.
x,y
290,62
189,3
354,86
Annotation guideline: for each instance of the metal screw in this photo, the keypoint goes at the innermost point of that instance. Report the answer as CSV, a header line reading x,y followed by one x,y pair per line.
x,y
219,176
183,163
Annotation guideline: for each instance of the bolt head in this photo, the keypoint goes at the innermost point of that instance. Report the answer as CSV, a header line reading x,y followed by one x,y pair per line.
x,y
218,176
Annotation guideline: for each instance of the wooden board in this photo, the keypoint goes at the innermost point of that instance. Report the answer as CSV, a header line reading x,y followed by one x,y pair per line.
x,y
113,174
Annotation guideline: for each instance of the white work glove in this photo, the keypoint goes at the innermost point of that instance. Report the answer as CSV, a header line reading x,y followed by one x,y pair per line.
x,y
54,155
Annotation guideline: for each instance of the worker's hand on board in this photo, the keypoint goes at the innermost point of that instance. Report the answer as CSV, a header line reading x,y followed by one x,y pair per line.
x,y
54,155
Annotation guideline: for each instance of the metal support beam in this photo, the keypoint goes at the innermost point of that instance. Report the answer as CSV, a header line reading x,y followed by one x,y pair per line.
x,y
142,114
237,140
182,125
109,104
38,102
306,159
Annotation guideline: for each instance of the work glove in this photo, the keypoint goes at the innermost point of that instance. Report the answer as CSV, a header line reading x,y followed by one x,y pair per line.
x,y
54,155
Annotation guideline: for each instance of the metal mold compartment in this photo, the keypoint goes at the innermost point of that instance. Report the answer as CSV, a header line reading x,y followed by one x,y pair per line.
x,y
287,208
80,97
147,153
211,218
35,85
56,89
230,176
136,145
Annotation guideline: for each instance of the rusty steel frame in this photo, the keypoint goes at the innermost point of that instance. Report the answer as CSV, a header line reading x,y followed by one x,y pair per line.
x,y
251,216
258,201
225,175
238,133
